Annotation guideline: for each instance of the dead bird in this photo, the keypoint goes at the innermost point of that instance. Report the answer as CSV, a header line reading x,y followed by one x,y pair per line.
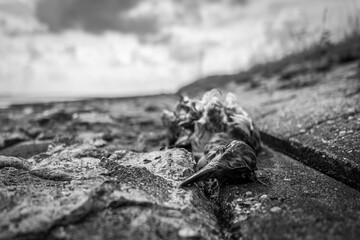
x,y
233,162
223,121
210,126
187,111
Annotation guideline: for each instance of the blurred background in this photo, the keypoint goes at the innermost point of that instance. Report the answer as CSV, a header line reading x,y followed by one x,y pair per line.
x,y
56,49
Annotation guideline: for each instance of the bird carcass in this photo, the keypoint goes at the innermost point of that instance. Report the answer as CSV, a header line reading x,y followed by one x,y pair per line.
x,y
220,134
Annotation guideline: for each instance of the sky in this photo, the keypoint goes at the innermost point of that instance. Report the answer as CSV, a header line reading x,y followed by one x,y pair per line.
x,y
135,47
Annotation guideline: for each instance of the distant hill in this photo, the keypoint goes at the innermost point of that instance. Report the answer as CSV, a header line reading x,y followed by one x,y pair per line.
x,y
210,82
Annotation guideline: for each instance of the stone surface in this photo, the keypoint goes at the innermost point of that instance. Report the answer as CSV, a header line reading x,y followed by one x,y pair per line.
x,y
100,170
100,193
91,179
26,149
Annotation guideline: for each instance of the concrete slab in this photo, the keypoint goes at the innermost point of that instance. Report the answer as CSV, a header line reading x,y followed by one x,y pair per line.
x,y
298,203
317,124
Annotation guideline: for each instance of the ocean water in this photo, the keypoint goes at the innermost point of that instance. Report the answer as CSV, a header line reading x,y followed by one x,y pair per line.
x,y
8,100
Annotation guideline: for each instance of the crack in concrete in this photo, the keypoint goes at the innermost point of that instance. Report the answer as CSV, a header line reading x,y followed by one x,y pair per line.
x,y
340,169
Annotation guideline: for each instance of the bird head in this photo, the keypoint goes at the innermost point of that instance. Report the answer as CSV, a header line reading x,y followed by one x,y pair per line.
x,y
235,158
237,154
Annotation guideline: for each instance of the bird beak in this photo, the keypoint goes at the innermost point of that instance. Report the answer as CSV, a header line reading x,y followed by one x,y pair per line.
x,y
203,174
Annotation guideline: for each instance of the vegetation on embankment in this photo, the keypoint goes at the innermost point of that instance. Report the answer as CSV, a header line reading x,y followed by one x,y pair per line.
x,y
320,56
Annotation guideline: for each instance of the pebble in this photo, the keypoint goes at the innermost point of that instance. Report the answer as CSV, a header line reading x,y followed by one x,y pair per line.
x,y
257,205
275,209
324,141
241,218
248,193
59,233
263,197
65,193
247,203
188,233
99,143
342,133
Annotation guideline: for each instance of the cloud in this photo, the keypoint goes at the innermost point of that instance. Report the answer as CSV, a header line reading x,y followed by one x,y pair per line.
x,y
144,46
75,63
16,18
94,16
140,17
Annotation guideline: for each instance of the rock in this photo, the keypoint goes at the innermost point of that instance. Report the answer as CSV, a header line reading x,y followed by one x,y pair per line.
x,y
99,143
151,141
15,162
26,149
54,114
98,192
153,108
241,218
263,197
188,233
275,209
93,117
9,139
89,184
